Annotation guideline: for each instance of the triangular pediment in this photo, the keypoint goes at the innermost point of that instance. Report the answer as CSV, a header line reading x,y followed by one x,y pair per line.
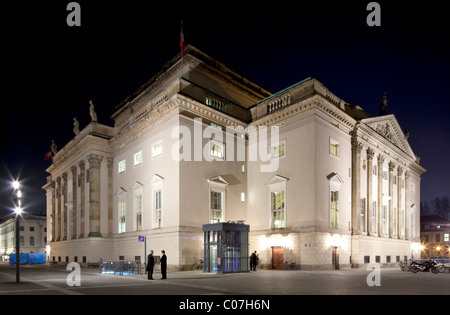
x,y
218,180
388,127
156,179
335,181
136,185
120,191
277,179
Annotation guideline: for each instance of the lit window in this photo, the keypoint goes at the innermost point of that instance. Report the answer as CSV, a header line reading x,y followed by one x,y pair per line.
x,y
278,150
384,220
216,207
446,237
121,166
157,149
362,215
138,158
217,149
334,209
157,207
278,203
334,147
373,215
122,216
139,213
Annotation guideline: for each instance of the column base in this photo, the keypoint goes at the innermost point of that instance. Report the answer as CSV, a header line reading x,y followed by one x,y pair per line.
x,y
94,234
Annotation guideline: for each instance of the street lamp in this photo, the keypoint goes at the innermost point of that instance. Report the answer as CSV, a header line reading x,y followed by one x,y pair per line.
x,y
18,211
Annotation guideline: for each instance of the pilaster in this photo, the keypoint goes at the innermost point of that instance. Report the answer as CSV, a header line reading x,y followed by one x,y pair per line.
x,y
74,202
380,192
94,194
370,228
82,181
391,166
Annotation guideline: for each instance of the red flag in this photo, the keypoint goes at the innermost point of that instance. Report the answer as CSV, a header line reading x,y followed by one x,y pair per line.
x,y
48,156
182,49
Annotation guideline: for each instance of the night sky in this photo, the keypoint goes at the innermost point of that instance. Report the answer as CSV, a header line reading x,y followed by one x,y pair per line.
x,y
50,70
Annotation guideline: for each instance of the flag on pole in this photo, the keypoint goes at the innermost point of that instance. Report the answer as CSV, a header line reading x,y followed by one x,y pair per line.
x,y
48,156
182,48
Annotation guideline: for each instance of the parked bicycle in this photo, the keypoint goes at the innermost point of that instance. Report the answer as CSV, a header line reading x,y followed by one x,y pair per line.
x,y
443,264
404,266
290,264
198,264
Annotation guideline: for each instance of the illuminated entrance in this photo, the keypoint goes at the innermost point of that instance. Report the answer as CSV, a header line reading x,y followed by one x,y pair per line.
x,y
226,247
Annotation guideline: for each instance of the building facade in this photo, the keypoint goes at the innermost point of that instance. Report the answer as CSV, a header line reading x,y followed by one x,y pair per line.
x,y
32,236
320,183
435,236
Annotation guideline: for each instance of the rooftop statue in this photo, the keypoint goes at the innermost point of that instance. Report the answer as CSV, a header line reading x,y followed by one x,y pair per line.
x,y
92,112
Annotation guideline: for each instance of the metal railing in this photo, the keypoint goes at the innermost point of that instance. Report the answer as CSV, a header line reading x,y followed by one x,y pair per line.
x,y
120,267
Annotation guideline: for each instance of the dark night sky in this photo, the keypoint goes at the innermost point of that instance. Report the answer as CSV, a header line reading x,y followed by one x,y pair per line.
x,y
51,71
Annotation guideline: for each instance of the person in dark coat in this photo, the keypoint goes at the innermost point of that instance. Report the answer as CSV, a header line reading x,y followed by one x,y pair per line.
x,y
150,265
163,261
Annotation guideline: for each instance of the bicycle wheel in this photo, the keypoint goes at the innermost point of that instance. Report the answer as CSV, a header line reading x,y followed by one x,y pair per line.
x,y
441,268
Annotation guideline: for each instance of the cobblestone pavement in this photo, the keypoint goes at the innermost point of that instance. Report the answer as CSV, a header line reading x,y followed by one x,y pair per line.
x,y
52,280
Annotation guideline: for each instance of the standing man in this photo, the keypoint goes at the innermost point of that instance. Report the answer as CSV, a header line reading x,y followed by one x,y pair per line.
x,y
163,264
150,265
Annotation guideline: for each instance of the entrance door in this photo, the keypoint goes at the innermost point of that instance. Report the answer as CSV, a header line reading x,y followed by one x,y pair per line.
x,y
335,258
213,258
277,258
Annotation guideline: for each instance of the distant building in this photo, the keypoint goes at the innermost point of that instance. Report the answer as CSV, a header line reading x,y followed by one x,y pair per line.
x,y
33,234
336,188
435,236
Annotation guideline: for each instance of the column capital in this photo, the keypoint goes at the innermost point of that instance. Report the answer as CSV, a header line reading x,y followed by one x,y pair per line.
x,y
391,166
357,146
109,162
399,171
94,160
380,159
370,154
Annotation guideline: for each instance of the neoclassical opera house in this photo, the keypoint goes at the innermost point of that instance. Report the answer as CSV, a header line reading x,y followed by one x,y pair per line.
x,y
343,189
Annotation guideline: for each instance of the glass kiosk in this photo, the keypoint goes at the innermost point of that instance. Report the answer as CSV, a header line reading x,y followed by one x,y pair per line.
x,y
226,247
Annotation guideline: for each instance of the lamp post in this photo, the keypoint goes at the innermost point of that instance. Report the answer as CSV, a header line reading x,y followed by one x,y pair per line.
x,y
18,211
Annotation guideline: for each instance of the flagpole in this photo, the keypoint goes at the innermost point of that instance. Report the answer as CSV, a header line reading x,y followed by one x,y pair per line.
x,y
182,47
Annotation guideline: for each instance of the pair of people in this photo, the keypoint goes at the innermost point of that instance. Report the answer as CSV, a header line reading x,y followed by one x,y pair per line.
x,y
151,264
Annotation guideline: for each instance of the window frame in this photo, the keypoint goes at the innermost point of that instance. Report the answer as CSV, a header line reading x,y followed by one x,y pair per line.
x,y
157,149
141,154
121,169
334,143
219,144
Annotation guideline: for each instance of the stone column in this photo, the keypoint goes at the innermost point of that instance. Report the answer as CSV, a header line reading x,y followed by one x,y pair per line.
x,y
370,154
380,192
64,216
391,201
356,196
399,200
82,181
356,185
94,194
109,164
58,210
74,202
53,212
407,205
